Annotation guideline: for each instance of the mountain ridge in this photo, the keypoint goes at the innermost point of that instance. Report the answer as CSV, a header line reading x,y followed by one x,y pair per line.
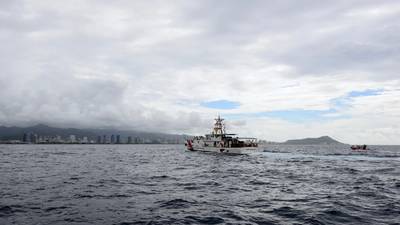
x,y
323,140
16,133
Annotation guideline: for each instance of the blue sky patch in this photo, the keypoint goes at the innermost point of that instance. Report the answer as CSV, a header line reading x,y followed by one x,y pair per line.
x,y
221,104
295,115
368,92
346,100
303,115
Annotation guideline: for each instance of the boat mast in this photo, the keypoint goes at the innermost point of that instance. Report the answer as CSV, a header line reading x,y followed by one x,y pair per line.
x,y
219,127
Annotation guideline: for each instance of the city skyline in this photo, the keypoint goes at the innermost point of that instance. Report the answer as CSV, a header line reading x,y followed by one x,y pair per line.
x,y
34,138
43,134
273,70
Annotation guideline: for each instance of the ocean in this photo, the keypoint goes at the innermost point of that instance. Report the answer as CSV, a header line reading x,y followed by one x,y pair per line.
x,y
164,184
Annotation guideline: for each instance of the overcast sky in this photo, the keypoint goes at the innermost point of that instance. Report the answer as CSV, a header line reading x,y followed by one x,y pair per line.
x,y
275,70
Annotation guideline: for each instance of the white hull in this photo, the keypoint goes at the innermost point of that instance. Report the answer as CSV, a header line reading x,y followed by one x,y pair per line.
x,y
221,142
244,150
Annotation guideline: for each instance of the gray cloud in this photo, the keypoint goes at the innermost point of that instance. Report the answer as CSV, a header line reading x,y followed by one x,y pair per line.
x,y
148,64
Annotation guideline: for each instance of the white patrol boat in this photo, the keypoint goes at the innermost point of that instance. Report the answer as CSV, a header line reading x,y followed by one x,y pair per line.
x,y
221,142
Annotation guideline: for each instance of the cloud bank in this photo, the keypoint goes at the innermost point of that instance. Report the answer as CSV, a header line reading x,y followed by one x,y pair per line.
x,y
276,70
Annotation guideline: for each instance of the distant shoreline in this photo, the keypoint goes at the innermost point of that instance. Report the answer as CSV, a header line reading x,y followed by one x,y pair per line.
x,y
273,144
90,144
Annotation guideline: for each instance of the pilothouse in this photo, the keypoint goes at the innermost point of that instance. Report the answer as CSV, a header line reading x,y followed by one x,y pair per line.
x,y
222,142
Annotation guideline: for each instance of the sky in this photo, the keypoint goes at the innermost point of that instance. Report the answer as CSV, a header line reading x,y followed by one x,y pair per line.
x,y
275,70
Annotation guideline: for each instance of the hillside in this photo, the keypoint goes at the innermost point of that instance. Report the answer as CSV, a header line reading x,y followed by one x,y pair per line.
x,y
16,133
324,140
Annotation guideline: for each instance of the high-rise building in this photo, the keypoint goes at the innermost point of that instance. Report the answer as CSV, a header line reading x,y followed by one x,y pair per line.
x,y
32,138
58,139
104,139
85,140
25,137
112,139
72,138
118,139
98,140
129,140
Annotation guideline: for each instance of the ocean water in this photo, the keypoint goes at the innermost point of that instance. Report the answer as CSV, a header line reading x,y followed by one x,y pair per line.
x,y
163,184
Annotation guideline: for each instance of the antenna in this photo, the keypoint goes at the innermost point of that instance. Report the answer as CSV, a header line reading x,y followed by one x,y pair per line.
x,y
219,127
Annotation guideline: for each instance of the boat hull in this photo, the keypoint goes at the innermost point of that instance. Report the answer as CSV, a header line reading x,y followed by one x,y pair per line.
x,y
240,151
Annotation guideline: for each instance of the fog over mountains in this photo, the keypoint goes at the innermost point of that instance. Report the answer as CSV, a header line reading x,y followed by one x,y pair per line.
x,y
16,133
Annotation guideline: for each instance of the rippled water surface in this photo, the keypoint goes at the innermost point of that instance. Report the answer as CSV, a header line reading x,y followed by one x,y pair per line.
x,y
163,184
